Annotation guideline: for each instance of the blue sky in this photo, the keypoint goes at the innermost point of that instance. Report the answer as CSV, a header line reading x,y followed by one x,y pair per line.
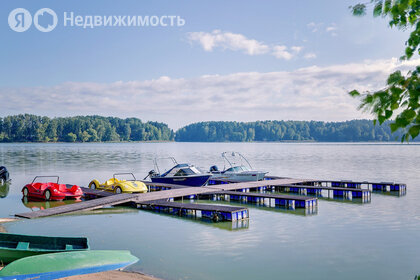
x,y
232,60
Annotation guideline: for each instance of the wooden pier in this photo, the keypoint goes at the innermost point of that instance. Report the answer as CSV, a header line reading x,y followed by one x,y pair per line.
x,y
150,196
89,193
210,211
240,191
81,206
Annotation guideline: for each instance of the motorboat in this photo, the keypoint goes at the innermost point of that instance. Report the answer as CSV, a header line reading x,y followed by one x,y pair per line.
x,y
236,169
180,174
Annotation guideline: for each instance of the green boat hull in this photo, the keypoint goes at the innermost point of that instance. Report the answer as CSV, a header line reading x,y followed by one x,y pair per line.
x,y
58,265
17,246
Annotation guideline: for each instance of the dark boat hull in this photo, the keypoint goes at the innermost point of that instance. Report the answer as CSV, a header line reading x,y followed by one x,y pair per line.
x,y
17,246
192,181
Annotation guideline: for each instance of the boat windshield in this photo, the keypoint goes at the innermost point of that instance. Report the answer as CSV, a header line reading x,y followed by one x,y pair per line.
x,y
237,169
183,170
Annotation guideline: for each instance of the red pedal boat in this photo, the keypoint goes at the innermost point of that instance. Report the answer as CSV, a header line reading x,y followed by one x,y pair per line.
x,y
50,190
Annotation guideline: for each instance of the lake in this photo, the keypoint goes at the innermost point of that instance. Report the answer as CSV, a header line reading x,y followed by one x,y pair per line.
x,y
377,240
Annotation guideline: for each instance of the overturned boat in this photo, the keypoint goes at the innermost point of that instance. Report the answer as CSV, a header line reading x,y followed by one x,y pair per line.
x,y
65,264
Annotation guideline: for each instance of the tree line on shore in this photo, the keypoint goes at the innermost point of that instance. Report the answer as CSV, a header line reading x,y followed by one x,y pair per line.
x,y
31,128
348,131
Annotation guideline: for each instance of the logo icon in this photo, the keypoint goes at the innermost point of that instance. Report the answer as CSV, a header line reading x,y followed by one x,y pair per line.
x,y
45,20
20,20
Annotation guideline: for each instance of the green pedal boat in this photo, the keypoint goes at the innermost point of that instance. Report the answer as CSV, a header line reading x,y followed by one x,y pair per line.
x,y
59,265
17,246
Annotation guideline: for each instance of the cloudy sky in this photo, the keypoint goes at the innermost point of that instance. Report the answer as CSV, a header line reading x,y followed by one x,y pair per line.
x,y
232,60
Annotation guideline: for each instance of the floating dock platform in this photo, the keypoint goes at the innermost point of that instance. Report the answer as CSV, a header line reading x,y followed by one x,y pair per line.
x,y
364,195
288,201
214,212
381,186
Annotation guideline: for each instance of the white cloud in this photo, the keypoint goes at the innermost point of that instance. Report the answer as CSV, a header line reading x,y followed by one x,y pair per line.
x,y
282,52
310,93
309,55
315,27
319,27
209,41
332,29
228,40
296,49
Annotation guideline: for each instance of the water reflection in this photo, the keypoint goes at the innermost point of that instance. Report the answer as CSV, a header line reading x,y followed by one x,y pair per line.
x,y
391,193
4,190
36,204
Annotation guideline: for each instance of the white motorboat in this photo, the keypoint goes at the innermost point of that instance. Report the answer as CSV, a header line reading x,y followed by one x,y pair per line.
x,y
236,169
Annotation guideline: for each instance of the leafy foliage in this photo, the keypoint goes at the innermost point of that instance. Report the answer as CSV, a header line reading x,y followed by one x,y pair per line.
x,y
31,128
350,131
401,13
401,95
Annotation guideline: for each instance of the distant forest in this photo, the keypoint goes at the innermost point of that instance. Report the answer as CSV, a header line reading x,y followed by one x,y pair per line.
x,y
31,128
349,131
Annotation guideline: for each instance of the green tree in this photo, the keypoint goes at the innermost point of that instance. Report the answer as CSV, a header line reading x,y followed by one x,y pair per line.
x,y
93,135
85,136
401,95
71,137
126,132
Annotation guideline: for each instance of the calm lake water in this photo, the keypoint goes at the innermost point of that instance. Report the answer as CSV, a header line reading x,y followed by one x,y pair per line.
x,y
378,240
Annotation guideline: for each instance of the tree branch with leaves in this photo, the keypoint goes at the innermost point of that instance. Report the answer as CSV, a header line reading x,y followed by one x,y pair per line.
x,y
399,100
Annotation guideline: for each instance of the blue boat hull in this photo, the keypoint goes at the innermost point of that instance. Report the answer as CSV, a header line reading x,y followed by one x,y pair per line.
x,y
192,181
66,273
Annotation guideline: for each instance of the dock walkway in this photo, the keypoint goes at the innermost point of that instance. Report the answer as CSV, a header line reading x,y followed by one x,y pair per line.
x,y
153,196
